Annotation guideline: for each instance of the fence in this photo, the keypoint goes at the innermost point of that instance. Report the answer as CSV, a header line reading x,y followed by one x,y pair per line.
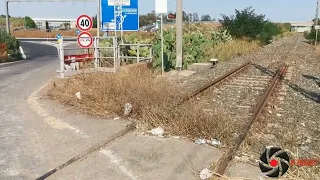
x,y
137,52
104,55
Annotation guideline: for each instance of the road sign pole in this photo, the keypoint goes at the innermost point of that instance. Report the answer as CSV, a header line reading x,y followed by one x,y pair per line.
x,y
98,18
179,35
162,58
7,16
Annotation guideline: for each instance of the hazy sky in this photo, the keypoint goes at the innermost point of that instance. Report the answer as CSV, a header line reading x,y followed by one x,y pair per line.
x,y
275,10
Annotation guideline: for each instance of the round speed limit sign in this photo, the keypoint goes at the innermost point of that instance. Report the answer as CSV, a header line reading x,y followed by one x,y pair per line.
x,y
84,22
85,39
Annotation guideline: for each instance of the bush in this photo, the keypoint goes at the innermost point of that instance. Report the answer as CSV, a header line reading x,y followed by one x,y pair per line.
x,y
247,23
195,44
311,36
30,23
286,27
12,45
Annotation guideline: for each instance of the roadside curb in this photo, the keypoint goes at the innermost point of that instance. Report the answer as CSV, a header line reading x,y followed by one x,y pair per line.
x,y
55,122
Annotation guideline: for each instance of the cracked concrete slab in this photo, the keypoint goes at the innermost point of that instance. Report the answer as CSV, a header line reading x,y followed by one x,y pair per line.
x,y
141,157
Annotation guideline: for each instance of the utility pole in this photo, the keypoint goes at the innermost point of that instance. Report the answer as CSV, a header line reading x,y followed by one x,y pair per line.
x,y
7,16
179,35
316,23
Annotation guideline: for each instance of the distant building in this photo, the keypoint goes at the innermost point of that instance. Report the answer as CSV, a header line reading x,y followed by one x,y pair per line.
x,y
301,26
54,23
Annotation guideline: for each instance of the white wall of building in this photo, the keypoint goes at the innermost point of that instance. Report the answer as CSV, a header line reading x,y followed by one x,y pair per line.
x,y
41,23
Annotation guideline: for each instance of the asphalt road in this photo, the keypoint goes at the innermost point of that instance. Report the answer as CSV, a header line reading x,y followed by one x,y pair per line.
x,y
38,135
17,134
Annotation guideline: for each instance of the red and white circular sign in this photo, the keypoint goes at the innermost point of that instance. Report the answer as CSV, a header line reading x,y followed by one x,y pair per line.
x,y
85,39
84,22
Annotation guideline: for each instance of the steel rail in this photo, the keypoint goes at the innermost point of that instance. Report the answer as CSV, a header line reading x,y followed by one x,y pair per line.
x,y
227,157
216,81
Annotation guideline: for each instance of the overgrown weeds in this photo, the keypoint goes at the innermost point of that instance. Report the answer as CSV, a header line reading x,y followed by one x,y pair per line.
x,y
232,49
152,98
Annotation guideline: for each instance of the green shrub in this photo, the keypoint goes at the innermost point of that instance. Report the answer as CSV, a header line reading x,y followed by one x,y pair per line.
x,y
247,23
12,45
311,36
29,22
194,46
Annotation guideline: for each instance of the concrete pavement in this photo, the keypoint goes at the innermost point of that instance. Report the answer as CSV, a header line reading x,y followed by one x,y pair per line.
x,y
38,135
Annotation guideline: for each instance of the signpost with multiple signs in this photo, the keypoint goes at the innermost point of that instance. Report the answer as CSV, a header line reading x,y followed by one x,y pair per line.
x,y
128,19
84,23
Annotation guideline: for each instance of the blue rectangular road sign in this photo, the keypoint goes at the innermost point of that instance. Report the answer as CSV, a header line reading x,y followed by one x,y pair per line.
x,y
130,15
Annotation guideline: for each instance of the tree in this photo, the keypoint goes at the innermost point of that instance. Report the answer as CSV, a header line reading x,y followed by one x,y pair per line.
x,y
94,21
190,17
4,16
195,17
185,16
206,17
147,19
29,22
246,23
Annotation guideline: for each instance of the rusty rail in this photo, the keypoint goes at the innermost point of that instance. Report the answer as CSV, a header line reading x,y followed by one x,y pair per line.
x,y
216,81
224,160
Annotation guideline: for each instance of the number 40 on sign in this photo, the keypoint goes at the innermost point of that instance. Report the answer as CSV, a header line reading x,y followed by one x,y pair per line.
x,y
84,22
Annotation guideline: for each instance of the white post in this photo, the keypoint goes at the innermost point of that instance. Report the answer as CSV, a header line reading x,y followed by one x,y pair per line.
x,y
95,47
61,49
138,53
162,58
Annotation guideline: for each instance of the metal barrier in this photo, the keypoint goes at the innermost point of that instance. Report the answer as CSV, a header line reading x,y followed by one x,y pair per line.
x,y
70,64
133,51
104,52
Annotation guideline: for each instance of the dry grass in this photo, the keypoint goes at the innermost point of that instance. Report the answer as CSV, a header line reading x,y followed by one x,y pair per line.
x,y
152,98
14,22
65,33
232,49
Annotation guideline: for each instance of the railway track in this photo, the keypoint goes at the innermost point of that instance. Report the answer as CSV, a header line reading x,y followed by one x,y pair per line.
x,y
243,93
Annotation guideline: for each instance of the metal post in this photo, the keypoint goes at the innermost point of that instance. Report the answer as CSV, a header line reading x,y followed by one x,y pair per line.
x,y
150,51
162,58
61,58
95,45
98,18
138,53
114,54
179,35
7,16
317,19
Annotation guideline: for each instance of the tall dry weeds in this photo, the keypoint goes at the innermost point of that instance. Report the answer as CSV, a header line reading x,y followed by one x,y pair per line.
x,y
152,98
232,49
